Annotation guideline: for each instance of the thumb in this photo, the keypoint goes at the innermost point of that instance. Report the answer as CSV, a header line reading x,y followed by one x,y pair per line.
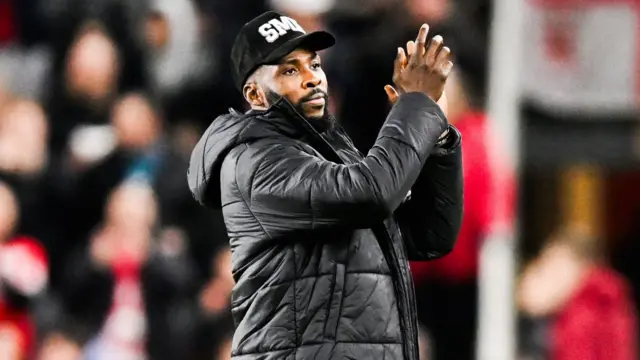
x,y
391,93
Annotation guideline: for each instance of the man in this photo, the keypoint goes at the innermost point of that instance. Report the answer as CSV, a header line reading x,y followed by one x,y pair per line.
x,y
321,234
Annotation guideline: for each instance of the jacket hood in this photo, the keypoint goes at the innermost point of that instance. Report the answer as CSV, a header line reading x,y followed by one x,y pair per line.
x,y
228,131
208,154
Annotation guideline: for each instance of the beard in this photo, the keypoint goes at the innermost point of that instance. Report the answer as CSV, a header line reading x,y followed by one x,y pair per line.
x,y
320,123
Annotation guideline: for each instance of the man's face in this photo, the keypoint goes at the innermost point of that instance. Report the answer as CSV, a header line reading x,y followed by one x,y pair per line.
x,y
299,78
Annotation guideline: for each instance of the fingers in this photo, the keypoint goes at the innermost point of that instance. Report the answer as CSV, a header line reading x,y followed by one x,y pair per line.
x,y
399,63
443,55
446,69
411,48
421,40
443,62
434,49
419,49
392,94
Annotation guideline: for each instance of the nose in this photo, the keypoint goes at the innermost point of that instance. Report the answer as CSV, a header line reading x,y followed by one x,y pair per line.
x,y
311,80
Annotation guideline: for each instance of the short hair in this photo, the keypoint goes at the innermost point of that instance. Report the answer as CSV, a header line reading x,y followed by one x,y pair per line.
x,y
252,78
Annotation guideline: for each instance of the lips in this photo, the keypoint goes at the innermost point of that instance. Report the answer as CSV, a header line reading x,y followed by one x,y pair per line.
x,y
317,99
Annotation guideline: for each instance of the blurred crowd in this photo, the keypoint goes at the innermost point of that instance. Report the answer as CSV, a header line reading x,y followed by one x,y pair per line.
x,y
105,255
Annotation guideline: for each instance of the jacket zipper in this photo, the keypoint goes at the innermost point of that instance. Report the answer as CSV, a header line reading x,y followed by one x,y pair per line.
x,y
403,294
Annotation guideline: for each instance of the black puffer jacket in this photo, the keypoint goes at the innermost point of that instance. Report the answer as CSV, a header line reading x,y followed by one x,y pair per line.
x,y
321,234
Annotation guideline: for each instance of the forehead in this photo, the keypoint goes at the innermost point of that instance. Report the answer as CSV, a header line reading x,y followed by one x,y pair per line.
x,y
296,58
299,56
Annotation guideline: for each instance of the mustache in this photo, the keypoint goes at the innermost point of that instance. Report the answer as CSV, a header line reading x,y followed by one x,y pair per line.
x,y
314,93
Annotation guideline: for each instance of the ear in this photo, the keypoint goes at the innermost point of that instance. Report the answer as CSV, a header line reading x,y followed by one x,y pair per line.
x,y
254,95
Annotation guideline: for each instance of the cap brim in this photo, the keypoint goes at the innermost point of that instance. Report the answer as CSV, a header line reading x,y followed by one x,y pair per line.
x,y
315,41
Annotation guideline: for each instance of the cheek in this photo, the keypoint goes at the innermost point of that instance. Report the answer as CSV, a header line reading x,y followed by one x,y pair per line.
x,y
294,97
289,89
325,83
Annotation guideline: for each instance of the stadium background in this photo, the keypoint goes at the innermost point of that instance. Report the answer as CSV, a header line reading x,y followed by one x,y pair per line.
x,y
106,256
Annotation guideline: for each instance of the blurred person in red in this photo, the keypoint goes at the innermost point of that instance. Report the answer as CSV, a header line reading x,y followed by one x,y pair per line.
x,y
136,145
130,147
575,306
127,294
446,288
23,275
364,55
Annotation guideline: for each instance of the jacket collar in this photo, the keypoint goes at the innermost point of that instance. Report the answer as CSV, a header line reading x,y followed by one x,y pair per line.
x,y
289,122
284,110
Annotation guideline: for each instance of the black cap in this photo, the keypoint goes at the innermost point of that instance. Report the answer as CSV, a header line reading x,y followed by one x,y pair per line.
x,y
267,39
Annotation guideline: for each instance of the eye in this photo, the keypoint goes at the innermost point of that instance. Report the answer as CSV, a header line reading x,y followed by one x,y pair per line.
x,y
316,66
289,71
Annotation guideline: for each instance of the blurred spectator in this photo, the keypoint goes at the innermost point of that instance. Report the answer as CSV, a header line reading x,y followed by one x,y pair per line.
x,y
23,138
224,351
25,58
91,73
92,66
178,55
25,71
122,20
95,167
216,294
23,275
425,345
9,213
127,294
24,159
308,13
575,306
625,259
59,347
138,131
216,324
448,287
143,151
361,63
182,59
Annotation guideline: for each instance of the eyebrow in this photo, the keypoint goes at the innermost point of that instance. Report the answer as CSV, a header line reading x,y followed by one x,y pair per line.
x,y
294,61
